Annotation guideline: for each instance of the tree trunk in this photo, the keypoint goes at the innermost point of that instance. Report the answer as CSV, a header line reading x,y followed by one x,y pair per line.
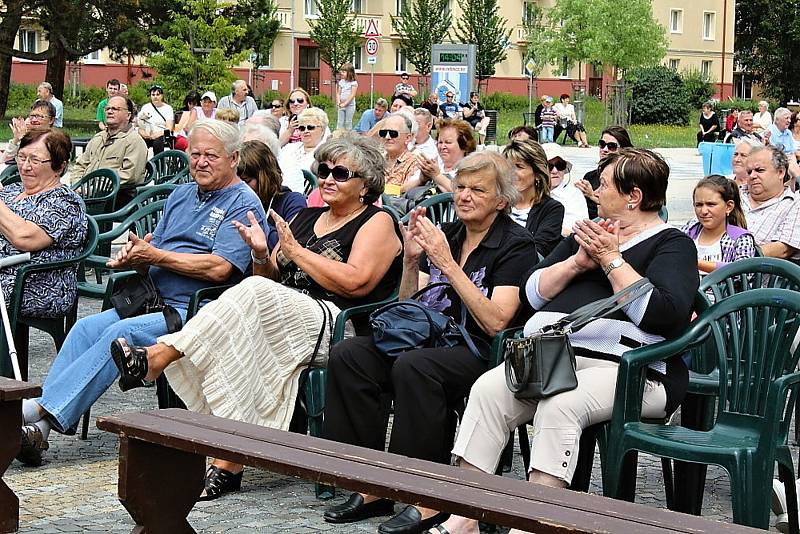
x,y
56,68
9,25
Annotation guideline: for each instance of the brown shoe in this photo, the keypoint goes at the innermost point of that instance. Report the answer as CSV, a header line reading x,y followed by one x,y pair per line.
x,y
33,444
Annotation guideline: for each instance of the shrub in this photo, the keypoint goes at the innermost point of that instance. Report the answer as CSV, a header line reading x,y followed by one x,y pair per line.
x,y
322,101
740,104
86,97
658,96
698,87
20,98
504,101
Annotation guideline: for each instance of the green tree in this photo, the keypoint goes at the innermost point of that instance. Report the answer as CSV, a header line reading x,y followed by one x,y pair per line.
x,y
199,49
540,39
260,21
481,24
335,33
421,25
768,45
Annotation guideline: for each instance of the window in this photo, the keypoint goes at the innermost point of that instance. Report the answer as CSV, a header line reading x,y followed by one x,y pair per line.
x,y
398,6
358,55
357,6
563,68
709,25
311,9
743,86
28,41
92,56
527,11
266,62
705,69
400,60
674,64
676,21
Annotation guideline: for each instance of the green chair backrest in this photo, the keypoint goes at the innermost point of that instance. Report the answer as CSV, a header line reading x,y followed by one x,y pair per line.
x,y
311,182
440,208
183,177
98,189
166,165
10,175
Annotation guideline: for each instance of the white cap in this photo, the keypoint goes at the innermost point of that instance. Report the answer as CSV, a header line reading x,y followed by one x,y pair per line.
x,y
552,151
210,95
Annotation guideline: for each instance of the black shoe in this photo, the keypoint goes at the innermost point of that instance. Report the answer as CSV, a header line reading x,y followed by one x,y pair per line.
x,y
33,444
354,510
220,481
131,361
409,521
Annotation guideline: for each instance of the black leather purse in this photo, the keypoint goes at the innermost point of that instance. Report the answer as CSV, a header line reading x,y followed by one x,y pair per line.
x,y
136,295
543,364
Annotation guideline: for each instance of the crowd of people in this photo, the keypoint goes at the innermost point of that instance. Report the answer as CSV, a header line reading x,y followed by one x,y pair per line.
x,y
531,244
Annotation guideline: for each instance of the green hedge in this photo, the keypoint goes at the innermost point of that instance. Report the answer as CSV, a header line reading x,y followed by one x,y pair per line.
x,y
658,96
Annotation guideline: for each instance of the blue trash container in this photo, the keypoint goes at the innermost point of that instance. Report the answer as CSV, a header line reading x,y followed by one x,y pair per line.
x,y
716,158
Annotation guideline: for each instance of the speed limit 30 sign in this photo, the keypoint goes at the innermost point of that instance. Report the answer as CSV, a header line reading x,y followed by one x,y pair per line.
x,y
372,46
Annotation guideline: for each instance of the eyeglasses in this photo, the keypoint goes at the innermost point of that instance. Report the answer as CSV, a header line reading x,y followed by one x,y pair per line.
x,y
300,100
211,158
33,160
340,173
275,106
109,108
391,133
449,96
309,127
559,165
39,117
612,146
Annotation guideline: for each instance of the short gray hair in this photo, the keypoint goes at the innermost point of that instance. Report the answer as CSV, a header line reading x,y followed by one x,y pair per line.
x,y
261,132
504,175
425,114
382,103
777,157
365,155
47,86
314,114
408,114
781,112
225,132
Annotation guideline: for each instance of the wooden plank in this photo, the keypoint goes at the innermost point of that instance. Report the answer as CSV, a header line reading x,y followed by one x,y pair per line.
x,y
473,494
10,437
15,390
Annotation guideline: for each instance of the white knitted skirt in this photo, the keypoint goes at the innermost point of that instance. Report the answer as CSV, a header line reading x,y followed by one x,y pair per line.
x,y
243,353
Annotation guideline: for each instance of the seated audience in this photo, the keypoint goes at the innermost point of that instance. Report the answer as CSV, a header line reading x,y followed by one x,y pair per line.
x,y
404,87
523,133
371,116
228,115
41,115
402,167
475,115
299,100
154,118
562,188
312,123
739,162
719,230
206,110
762,120
535,209
569,121
239,101
709,124
45,92
290,169
598,260
481,255
780,135
612,139
743,128
191,101
449,109
770,208
400,101
194,246
454,142
241,357
424,144
432,105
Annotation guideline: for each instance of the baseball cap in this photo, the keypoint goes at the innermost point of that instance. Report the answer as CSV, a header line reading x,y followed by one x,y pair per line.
x,y
210,95
548,99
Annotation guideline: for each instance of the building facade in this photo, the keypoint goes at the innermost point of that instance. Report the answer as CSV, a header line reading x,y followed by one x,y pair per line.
x,y
700,33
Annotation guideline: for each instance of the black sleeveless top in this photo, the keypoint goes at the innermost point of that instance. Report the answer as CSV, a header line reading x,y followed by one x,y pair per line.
x,y
336,246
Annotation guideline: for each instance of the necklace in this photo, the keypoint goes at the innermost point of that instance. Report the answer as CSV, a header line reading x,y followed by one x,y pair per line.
x,y
331,226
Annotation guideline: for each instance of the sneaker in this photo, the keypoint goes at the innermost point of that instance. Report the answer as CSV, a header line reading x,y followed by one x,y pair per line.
x,y
33,444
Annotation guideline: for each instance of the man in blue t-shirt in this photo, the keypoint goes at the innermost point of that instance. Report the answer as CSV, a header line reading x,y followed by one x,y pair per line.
x,y
195,245
450,108
371,117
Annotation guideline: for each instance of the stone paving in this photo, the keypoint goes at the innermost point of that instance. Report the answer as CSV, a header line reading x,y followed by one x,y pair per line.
x,y
75,490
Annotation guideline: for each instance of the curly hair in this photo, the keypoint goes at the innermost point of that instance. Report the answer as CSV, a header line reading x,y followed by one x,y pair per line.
x,y
366,158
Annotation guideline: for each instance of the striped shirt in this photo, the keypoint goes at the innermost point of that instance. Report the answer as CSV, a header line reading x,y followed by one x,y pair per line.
x,y
777,219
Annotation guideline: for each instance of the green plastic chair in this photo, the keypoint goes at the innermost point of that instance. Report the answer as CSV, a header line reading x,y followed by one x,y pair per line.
x,y
57,327
163,167
10,175
98,189
311,182
751,334
440,209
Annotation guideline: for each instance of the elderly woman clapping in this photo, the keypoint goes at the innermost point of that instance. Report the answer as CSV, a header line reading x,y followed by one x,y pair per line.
x,y
599,259
481,256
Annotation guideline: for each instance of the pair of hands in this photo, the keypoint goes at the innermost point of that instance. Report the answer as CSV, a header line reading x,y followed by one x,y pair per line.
x,y
586,188
421,235
598,243
137,253
256,239
428,167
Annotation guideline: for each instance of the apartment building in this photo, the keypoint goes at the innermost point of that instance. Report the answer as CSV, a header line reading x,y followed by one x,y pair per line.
x,y
700,33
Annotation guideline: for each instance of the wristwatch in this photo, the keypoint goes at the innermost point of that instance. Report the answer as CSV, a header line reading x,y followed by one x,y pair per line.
x,y
613,264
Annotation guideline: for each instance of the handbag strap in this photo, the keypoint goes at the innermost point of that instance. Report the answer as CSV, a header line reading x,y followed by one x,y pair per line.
x,y
327,317
601,308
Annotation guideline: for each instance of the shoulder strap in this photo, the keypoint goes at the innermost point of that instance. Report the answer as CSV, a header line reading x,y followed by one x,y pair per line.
x,y
159,113
462,324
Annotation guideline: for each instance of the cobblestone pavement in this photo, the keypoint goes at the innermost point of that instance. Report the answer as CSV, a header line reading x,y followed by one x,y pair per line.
x,y
75,490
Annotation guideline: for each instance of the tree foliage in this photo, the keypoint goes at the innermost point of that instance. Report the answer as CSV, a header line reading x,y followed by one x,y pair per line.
x,y
481,24
699,88
335,33
260,21
768,45
540,39
217,43
658,96
421,25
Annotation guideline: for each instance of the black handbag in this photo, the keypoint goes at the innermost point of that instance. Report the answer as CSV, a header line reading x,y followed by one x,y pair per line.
x,y
407,325
543,364
136,295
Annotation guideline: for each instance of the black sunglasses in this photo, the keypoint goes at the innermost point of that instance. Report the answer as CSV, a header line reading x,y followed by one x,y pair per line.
x,y
300,100
309,127
275,106
612,146
340,173
391,133
559,165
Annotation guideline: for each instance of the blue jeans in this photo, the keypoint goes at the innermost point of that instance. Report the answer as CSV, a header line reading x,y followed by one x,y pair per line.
x,y
546,134
83,369
344,119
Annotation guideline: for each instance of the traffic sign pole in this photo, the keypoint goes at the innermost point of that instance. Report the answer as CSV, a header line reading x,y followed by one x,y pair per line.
x,y
371,46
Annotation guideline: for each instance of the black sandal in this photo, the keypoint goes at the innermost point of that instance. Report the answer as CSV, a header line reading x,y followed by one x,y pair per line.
x,y
220,481
131,362
33,444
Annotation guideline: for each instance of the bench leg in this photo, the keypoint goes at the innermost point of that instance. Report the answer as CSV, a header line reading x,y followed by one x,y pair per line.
x,y
158,485
10,423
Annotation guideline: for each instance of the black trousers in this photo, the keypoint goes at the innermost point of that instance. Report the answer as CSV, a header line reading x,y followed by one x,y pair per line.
x,y
427,386
156,144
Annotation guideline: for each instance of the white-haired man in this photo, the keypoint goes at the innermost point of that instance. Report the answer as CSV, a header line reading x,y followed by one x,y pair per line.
x,y
45,92
779,135
239,100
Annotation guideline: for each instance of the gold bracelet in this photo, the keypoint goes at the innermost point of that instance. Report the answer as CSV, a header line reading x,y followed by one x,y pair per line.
x,y
258,261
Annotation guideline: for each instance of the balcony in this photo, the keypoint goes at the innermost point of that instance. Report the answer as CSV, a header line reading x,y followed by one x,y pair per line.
x,y
362,20
284,16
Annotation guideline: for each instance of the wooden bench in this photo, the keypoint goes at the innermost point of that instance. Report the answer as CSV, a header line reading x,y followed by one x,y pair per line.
x,y
11,394
162,463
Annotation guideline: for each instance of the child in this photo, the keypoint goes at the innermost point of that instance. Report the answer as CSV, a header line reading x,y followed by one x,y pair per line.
x,y
549,119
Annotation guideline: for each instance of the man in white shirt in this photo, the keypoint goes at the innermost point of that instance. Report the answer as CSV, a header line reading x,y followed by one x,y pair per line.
x,y
424,144
240,101
45,92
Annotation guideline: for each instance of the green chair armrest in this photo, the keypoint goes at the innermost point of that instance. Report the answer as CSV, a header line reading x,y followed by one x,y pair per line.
x,y
499,343
355,311
206,293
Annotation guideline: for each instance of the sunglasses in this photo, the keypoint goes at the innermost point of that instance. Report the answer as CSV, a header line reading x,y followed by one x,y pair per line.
x,y
300,100
275,106
612,146
340,173
309,127
391,133
559,165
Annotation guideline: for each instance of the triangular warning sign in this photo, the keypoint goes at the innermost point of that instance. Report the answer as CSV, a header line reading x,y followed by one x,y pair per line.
x,y
372,29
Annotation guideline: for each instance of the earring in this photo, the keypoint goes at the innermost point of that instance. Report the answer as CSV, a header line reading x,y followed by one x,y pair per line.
x,y
630,206
361,199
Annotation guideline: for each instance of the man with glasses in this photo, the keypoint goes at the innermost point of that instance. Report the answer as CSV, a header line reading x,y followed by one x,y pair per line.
x,y
45,92
405,88
112,88
449,108
402,170
41,115
119,147
371,117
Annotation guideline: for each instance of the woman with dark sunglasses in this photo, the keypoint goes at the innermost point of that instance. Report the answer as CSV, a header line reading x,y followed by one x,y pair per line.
x,y
563,189
242,355
298,101
612,139
312,123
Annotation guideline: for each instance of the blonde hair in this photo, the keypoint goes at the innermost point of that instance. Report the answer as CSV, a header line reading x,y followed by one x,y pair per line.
x,y
314,114
228,115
